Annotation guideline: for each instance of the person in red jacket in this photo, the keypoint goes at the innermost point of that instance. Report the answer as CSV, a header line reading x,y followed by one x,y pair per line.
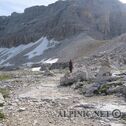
x,y
70,66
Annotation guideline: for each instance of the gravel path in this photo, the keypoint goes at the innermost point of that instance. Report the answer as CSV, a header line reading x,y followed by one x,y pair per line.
x,y
36,100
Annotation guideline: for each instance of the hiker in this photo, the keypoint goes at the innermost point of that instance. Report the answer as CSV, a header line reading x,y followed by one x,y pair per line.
x,y
70,66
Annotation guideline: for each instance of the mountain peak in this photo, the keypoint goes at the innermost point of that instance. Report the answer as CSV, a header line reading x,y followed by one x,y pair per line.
x,y
99,19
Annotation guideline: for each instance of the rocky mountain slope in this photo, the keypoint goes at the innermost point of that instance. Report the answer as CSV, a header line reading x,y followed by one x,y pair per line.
x,y
65,30
51,51
98,18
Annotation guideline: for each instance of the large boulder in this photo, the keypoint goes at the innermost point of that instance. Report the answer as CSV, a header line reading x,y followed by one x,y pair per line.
x,y
80,75
104,71
92,89
67,80
47,72
105,88
78,85
71,78
117,89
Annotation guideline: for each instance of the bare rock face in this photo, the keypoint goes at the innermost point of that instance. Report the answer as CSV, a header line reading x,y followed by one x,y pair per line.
x,y
98,18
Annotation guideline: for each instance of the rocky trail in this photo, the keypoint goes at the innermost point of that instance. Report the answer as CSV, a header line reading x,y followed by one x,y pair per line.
x,y
38,100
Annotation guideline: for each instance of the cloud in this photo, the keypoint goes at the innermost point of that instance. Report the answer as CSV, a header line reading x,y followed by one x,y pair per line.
x,y
123,1
9,6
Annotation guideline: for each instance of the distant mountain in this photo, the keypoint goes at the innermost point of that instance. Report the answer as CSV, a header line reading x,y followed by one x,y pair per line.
x,y
100,19
71,29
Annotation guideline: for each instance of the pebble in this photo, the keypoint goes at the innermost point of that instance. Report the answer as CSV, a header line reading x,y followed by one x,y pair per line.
x,y
21,109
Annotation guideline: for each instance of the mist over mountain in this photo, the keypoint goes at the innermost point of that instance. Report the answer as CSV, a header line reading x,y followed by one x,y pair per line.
x,y
100,19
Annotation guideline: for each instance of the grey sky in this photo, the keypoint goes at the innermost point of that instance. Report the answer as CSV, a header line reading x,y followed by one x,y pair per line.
x,y
9,6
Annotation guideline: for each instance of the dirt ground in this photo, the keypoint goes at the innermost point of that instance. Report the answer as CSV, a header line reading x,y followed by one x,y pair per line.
x,y
38,100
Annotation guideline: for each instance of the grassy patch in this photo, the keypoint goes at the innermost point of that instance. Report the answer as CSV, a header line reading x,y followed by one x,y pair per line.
x,y
4,92
4,77
2,116
104,89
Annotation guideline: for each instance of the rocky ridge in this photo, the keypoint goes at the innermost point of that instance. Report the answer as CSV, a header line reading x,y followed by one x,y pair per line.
x,y
100,19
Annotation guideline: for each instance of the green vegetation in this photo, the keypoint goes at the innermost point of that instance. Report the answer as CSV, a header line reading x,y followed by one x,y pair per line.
x,y
2,116
4,92
4,77
104,89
